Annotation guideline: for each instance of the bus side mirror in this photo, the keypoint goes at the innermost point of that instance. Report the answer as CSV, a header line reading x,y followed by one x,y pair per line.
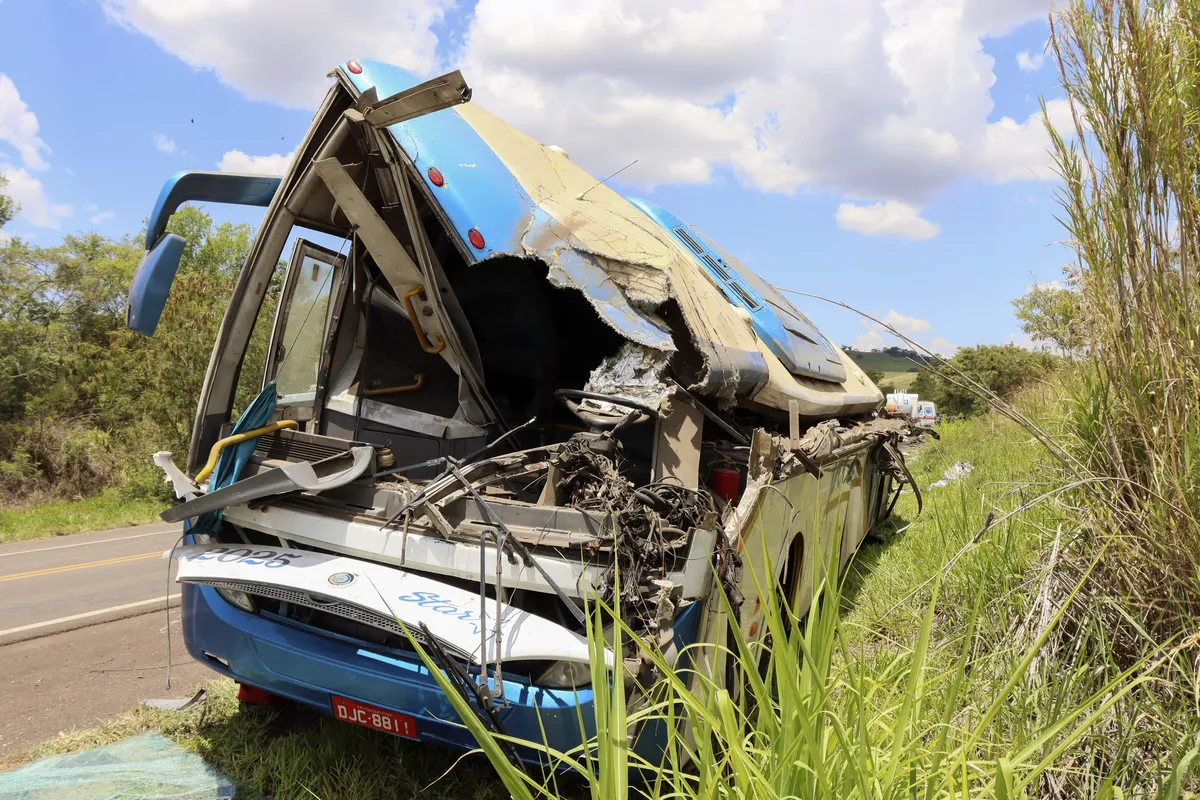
x,y
152,283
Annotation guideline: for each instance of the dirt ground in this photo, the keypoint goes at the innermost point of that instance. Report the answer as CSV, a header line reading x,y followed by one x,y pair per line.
x,y
79,678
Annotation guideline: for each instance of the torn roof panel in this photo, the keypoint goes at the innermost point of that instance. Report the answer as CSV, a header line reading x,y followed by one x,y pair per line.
x,y
800,346
524,199
578,269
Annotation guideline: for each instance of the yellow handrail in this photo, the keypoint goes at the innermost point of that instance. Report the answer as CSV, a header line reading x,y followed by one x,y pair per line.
x,y
238,438
418,382
432,349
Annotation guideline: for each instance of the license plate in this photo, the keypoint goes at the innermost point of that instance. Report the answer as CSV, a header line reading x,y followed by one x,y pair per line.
x,y
379,719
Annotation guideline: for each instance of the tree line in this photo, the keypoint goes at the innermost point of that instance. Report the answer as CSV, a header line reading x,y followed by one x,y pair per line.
x,y
84,402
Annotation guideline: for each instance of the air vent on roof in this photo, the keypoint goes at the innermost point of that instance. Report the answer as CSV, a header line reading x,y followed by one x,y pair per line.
x,y
783,329
688,240
721,272
750,302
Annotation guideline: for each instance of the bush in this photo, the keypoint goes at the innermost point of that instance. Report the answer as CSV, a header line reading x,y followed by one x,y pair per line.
x,y
83,401
19,472
1003,370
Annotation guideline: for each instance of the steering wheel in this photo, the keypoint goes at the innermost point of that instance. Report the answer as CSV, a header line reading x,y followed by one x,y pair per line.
x,y
603,419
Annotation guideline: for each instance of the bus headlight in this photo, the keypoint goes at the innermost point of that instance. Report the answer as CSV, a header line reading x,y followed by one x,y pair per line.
x,y
240,599
566,675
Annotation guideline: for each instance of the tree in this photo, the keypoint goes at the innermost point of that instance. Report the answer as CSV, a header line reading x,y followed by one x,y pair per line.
x,y
157,379
8,208
83,401
1003,370
1052,313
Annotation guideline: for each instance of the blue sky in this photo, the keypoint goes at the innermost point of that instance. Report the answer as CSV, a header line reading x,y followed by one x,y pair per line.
x,y
122,100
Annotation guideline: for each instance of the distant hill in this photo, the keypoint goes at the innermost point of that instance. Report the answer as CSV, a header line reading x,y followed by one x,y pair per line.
x,y
901,381
890,359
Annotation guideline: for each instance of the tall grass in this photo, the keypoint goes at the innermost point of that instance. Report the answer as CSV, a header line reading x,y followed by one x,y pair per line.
x,y
1130,160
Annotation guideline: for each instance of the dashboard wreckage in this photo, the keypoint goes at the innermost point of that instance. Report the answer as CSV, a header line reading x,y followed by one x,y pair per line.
x,y
494,389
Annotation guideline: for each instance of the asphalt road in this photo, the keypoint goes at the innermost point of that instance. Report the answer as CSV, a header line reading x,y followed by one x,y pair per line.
x,y
68,581
83,631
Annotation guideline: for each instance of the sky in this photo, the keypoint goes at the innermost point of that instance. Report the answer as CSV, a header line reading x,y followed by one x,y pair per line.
x,y
890,154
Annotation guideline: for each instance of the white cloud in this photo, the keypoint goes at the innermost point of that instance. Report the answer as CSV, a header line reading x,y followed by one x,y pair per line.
x,y
164,143
1030,62
270,50
889,218
906,325
913,329
943,347
865,98
5,238
29,193
19,126
237,161
1045,285
1014,150
869,340
102,217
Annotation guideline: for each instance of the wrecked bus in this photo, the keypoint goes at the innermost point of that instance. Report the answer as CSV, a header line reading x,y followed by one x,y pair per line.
x,y
511,390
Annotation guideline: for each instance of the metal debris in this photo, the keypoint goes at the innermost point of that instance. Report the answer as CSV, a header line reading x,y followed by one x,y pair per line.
x,y
589,479
821,441
178,703
636,372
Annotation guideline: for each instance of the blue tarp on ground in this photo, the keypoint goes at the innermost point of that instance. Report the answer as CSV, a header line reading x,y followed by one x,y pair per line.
x,y
144,767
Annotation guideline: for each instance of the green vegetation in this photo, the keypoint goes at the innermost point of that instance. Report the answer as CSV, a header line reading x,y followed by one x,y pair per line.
x,y
899,381
889,382
109,509
1001,371
1052,313
83,401
1129,192
892,359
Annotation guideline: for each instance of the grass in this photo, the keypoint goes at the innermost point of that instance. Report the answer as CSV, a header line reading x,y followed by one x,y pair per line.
x,y
883,362
1131,71
901,380
888,584
57,517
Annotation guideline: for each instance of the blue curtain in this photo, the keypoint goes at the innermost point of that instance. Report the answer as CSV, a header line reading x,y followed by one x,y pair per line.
x,y
233,459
